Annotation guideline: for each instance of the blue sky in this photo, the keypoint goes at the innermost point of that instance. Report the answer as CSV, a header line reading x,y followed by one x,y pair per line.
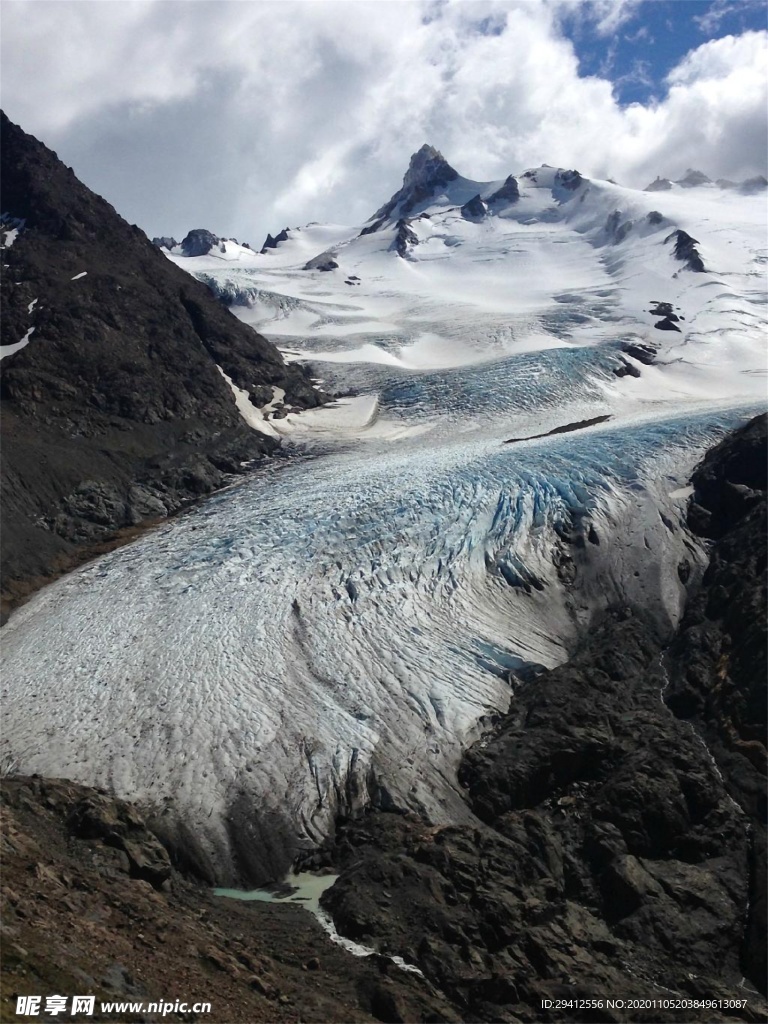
x,y
639,54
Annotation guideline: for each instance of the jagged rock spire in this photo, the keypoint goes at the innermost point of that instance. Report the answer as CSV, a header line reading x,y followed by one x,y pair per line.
x,y
427,171
428,167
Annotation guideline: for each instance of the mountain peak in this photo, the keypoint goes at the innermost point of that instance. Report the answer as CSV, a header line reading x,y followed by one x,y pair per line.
x,y
693,178
427,171
428,166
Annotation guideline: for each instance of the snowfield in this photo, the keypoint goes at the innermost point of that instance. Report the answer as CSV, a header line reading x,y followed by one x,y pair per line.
x,y
338,628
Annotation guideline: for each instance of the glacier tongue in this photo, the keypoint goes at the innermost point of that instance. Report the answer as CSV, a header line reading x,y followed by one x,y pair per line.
x,y
339,627
334,632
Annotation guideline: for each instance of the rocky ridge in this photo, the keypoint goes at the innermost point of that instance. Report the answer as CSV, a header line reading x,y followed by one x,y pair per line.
x,y
115,411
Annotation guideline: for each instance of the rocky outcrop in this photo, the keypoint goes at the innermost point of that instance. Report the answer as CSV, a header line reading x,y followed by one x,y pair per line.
x,y
325,261
754,185
685,250
617,229
91,903
272,243
643,353
115,411
608,857
474,209
620,804
199,242
569,180
404,239
508,193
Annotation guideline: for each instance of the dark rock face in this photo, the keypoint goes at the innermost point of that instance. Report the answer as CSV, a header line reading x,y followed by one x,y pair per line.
x,y
272,243
667,324
627,370
508,193
475,209
404,238
199,242
730,482
609,858
685,250
165,242
569,180
428,168
719,657
620,844
427,172
92,814
643,353
115,411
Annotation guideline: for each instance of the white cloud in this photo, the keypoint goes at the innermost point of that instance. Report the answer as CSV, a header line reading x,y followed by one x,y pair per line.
x,y
609,15
247,116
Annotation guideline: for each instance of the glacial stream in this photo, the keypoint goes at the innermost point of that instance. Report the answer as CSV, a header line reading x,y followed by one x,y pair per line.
x,y
305,889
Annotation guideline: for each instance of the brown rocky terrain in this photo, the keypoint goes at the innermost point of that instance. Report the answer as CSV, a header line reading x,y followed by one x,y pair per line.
x,y
114,413
93,906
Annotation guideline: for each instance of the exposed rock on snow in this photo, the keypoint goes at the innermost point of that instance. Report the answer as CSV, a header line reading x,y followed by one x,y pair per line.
x,y
752,185
272,243
475,209
569,180
685,250
508,193
404,239
199,242
325,261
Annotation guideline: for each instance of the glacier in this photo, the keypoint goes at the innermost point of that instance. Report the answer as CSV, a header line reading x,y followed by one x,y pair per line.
x,y
337,628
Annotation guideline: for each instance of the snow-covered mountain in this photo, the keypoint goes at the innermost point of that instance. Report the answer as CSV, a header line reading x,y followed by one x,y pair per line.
x,y
339,628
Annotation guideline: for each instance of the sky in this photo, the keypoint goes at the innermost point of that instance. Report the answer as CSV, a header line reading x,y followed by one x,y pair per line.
x,y
247,116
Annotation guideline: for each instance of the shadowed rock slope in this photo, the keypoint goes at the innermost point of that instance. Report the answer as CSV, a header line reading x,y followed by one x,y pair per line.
x,y
114,411
620,844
